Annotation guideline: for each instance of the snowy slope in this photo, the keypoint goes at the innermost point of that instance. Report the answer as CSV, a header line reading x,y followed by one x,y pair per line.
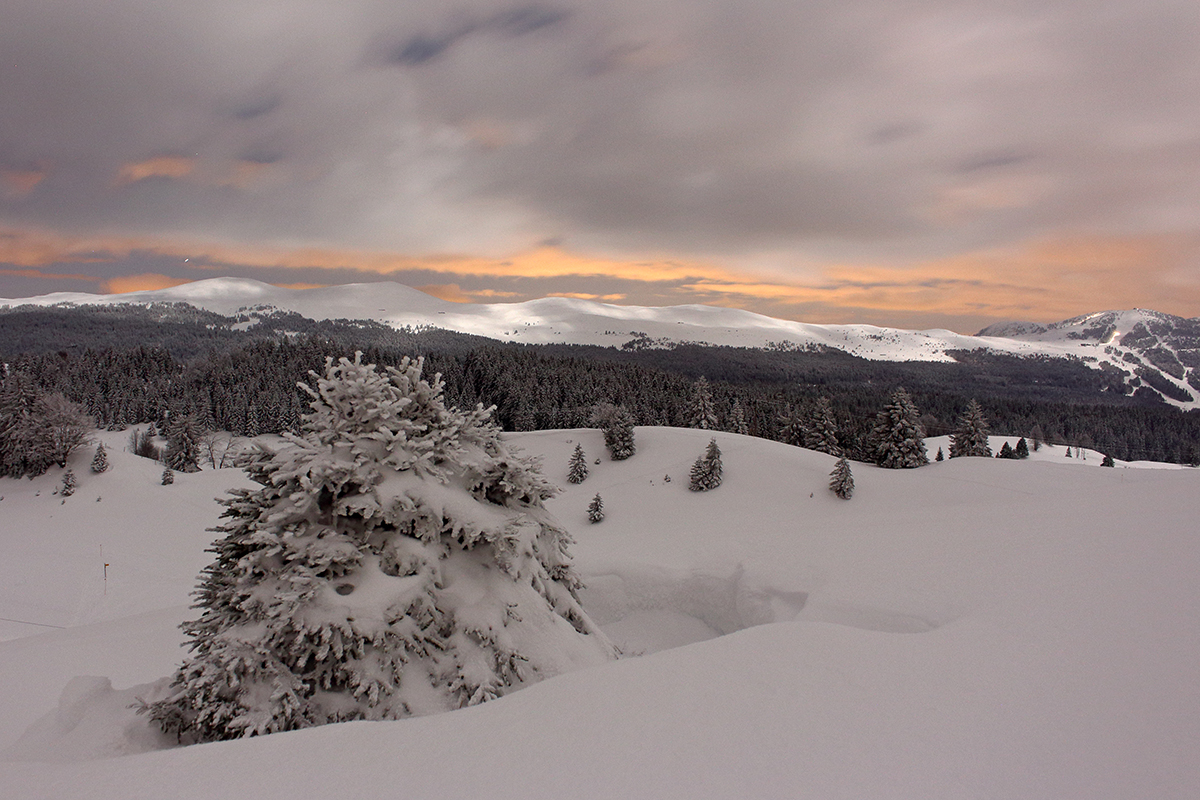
x,y
973,628
557,319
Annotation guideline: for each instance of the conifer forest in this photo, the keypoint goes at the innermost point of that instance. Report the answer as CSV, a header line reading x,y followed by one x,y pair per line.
x,y
130,365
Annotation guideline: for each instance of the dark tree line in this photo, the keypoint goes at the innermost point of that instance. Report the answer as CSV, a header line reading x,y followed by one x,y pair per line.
x,y
803,398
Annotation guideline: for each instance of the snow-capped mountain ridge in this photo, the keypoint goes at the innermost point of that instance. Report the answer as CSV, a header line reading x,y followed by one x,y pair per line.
x,y
1156,353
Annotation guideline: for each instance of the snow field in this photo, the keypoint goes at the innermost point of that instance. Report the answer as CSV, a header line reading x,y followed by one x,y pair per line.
x,y
978,627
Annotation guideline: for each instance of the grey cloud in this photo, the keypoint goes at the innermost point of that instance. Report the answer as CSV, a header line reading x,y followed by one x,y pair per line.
x,y
710,127
423,47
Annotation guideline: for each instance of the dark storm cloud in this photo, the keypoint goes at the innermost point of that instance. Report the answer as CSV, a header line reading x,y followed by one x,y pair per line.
x,y
830,129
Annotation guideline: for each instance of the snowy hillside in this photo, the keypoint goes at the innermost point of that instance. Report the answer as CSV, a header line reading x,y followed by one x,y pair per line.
x,y
977,627
1156,352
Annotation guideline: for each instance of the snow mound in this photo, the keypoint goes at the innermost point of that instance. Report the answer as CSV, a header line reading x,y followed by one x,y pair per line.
x,y
92,721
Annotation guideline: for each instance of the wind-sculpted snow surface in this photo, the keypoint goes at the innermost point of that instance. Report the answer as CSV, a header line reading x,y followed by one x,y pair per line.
x,y
972,628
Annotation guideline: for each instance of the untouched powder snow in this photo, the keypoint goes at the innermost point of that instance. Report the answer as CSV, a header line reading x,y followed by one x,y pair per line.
x,y
973,628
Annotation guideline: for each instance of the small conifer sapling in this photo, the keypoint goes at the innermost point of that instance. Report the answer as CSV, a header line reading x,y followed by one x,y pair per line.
x,y
596,509
168,476
577,470
841,481
68,483
100,461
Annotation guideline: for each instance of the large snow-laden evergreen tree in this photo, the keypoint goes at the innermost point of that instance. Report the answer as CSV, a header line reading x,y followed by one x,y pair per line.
x,y
897,440
970,437
397,560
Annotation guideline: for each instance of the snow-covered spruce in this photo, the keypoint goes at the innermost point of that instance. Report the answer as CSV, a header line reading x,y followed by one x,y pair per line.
x,y
67,487
821,434
897,440
617,424
706,472
182,452
595,510
577,470
397,560
970,437
841,480
1022,448
100,460
168,476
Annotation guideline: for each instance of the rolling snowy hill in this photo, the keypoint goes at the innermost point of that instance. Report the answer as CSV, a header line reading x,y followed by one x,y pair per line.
x,y
1156,353
978,627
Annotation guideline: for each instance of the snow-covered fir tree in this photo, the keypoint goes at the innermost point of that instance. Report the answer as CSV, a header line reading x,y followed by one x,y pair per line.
x,y
396,560
100,460
821,432
184,437
702,413
1108,462
617,425
1006,451
841,481
577,470
168,476
1022,448
67,487
706,473
940,455
970,437
897,440
737,419
793,428
595,510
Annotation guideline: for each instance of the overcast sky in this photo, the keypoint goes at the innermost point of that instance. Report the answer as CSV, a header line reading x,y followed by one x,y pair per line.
x,y
918,163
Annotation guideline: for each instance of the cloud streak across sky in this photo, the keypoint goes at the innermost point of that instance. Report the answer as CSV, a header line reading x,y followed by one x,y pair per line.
x,y
919,163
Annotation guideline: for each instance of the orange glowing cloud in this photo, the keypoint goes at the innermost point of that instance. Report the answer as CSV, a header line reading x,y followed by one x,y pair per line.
x,y
20,182
1044,280
600,298
157,167
242,174
141,283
